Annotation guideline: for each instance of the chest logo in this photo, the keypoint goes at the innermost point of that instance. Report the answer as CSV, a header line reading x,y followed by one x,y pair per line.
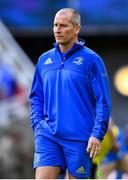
x,y
78,60
48,61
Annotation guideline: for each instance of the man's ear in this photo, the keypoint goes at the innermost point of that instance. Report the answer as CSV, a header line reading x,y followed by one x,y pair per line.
x,y
77,29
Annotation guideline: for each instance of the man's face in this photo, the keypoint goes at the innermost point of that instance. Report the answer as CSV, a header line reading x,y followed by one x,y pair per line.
x,y
64,30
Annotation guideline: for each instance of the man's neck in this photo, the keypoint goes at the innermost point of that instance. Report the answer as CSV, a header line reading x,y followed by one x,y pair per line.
x,y
65,48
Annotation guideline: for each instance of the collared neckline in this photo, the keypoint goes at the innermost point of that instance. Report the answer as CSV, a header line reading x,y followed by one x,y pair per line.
x,y
79,44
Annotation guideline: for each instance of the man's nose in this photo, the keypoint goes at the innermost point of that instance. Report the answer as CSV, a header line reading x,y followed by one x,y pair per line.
x,y
58,29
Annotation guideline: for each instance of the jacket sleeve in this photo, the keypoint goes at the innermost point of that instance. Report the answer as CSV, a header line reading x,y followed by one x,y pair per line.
x,y
36,99
101,92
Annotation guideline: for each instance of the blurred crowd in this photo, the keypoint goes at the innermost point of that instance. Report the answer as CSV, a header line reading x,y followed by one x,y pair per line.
x,y
16,151
8,84
16,141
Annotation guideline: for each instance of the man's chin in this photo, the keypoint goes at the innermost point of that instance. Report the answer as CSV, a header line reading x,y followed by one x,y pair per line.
x,y
59,41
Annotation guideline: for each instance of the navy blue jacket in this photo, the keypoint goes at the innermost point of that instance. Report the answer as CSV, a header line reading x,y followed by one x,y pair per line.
x,y
70,95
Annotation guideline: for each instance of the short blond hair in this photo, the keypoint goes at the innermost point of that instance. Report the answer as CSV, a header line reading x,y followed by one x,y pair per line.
x,y
76,19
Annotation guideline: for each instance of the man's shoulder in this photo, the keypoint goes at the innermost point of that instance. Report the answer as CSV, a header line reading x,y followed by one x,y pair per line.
x,y
47,53
88,51
92,55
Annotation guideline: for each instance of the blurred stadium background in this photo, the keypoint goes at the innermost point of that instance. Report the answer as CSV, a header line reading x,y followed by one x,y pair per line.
x,y
25,33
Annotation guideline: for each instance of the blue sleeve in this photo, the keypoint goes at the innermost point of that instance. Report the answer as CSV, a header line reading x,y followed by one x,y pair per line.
x,y
101,91
36,99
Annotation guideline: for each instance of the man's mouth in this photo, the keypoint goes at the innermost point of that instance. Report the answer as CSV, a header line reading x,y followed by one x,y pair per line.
x,y
58,36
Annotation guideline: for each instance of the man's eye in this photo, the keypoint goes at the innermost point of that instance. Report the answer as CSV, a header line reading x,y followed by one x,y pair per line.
x,y
61,25
64,25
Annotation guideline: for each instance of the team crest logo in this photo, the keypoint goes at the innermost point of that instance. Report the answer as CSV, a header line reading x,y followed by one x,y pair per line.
x,y
78,60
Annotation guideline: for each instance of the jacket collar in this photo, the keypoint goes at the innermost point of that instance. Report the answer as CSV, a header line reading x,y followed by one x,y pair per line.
x,y
79,44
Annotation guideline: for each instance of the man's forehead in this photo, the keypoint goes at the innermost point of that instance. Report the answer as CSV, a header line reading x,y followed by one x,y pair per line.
x,y
64,14
62,19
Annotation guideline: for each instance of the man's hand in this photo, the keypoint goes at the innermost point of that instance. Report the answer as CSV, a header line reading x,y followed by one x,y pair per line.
x,y
93,147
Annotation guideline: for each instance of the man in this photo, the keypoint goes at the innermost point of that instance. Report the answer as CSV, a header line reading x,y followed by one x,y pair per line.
x,y
70,103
